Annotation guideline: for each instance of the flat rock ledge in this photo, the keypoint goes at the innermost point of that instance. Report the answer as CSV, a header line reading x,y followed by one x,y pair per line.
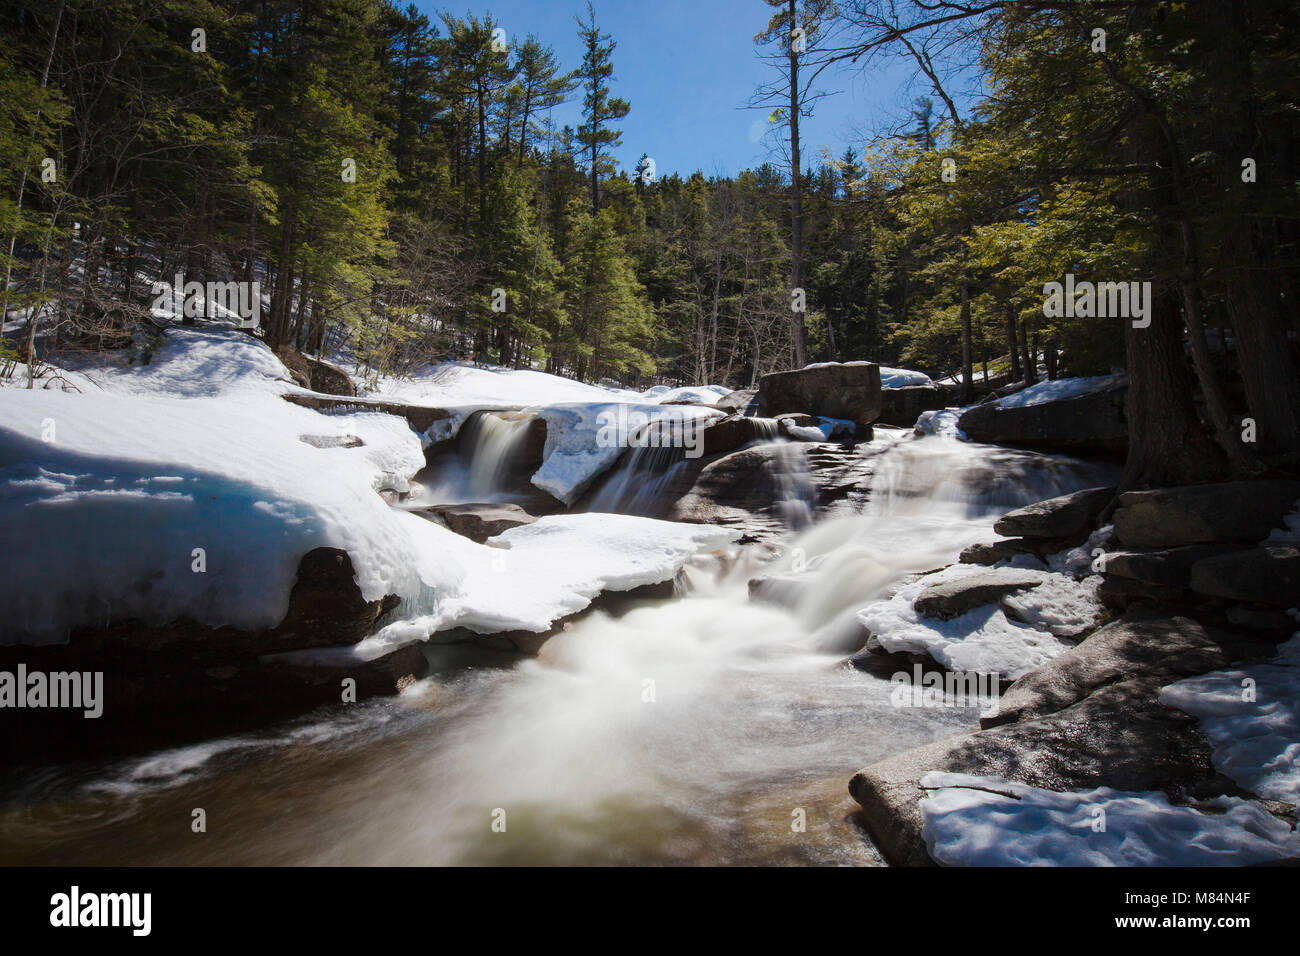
x,y
1090,718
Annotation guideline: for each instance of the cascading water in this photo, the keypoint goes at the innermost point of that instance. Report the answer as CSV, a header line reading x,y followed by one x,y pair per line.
x,y
691,730
489,449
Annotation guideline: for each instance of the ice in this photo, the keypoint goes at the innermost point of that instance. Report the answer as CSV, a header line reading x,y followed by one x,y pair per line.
x,y
1058,389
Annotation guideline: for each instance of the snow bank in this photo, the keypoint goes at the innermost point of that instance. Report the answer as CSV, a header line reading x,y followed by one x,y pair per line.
x,y
889,377
100,522
987,821
985,639
528,577
1253,728
1059,389
492,386
901,377
704,394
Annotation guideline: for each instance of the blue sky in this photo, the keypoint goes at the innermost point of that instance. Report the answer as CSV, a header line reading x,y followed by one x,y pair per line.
x,y
689,67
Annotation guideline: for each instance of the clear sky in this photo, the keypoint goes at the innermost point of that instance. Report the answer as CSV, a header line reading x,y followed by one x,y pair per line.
x,y
688,67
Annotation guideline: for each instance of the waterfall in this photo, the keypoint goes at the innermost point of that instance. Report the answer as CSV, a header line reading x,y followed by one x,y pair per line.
x,y
486,464
682,730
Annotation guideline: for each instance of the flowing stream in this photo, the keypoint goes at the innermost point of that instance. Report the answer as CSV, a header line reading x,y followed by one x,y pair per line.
x,y
702,729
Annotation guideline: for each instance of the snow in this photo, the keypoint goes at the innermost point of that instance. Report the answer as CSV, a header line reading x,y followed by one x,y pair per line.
x,y
575,452
901,377
106,495
988,821
985,639
941,422
455,383
889,377
704,395
1061,388
528,577
1255,740
191,363
1289,533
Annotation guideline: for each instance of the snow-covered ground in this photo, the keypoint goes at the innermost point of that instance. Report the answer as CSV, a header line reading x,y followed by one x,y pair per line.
x,y
987,821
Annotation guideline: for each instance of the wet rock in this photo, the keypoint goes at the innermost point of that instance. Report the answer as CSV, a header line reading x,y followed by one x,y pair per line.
x,y
1093,422
849,390
1152,644
480,521
1269,574
728,434
949,599
1060,517
1201,514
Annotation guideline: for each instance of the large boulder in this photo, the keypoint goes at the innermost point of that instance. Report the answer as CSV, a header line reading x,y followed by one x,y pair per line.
x,y
1202,514
1060,517
903,406
848,390
328,379
738,401
1269,574
1092,422
1120,736
1148,643
1168,567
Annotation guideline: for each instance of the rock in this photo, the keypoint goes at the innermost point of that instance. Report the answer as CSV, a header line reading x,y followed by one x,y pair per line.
x,y
331,441
420,417
478,522
184,681
1201,514
728,434
1120,594
903,406
799,420
1120,737
741,489
995,551
328,379
835,390
1150,644
1092,422
1265,620
1269,574
949,599
1061,517
738,401
1169,567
